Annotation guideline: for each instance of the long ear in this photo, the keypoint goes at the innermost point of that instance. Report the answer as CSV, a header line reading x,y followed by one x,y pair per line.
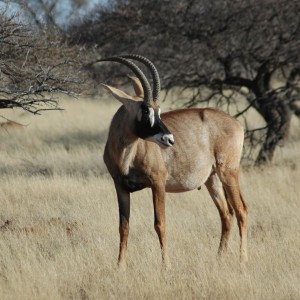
x,y
137,86
127,100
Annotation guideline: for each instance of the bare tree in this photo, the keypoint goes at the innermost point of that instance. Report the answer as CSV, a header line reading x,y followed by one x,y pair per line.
x,y
219,45
34,66
51,13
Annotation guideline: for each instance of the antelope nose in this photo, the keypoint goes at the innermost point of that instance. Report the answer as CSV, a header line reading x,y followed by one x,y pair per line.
x,y
168,139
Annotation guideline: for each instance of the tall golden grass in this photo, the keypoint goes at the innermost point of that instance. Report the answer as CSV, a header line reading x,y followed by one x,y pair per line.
x,y
59,221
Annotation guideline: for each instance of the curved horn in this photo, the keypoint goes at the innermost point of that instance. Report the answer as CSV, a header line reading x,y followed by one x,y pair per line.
x,y
153,70
137,71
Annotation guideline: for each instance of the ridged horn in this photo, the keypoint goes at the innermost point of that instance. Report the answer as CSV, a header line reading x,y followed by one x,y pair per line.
x,y
153,70
137,71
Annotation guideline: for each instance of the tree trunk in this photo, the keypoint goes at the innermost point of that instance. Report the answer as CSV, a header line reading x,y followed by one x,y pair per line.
x,y
277,113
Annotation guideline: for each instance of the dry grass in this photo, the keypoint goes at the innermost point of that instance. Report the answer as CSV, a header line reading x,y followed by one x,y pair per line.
x,y
59,222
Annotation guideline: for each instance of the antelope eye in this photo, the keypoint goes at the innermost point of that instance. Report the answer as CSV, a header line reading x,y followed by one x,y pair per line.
x,y
145,111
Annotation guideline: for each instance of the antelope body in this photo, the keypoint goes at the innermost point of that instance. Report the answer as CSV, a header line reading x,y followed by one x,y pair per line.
x,y
173,152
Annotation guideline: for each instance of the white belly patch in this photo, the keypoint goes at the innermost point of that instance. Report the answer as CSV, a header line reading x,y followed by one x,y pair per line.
x,y
186,181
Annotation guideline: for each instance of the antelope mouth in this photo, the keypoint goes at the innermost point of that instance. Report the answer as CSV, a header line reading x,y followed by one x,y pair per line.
x,y
164,141
166,144
163,145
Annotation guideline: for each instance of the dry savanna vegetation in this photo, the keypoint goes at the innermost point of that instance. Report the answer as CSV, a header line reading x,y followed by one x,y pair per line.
x,y
59,221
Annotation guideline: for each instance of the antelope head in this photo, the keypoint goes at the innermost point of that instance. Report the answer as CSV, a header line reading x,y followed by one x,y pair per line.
x,y
142,109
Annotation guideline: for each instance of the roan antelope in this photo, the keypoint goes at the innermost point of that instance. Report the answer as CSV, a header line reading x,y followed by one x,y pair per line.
x,y
173,152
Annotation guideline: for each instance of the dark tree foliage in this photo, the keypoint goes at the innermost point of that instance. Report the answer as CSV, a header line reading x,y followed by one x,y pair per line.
x,y
34,66
220,45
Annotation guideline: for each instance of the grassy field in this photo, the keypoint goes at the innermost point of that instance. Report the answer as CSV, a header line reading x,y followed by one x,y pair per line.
x,y
59,221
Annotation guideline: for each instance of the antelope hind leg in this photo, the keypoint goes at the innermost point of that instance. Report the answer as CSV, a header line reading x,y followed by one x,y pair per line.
x,y
230,181
216,191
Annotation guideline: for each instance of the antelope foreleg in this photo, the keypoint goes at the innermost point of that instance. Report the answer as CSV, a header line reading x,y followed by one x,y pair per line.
x,y
124,214
158,192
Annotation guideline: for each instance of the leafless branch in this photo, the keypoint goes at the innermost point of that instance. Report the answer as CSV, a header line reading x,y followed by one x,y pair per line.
x,y
34,66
